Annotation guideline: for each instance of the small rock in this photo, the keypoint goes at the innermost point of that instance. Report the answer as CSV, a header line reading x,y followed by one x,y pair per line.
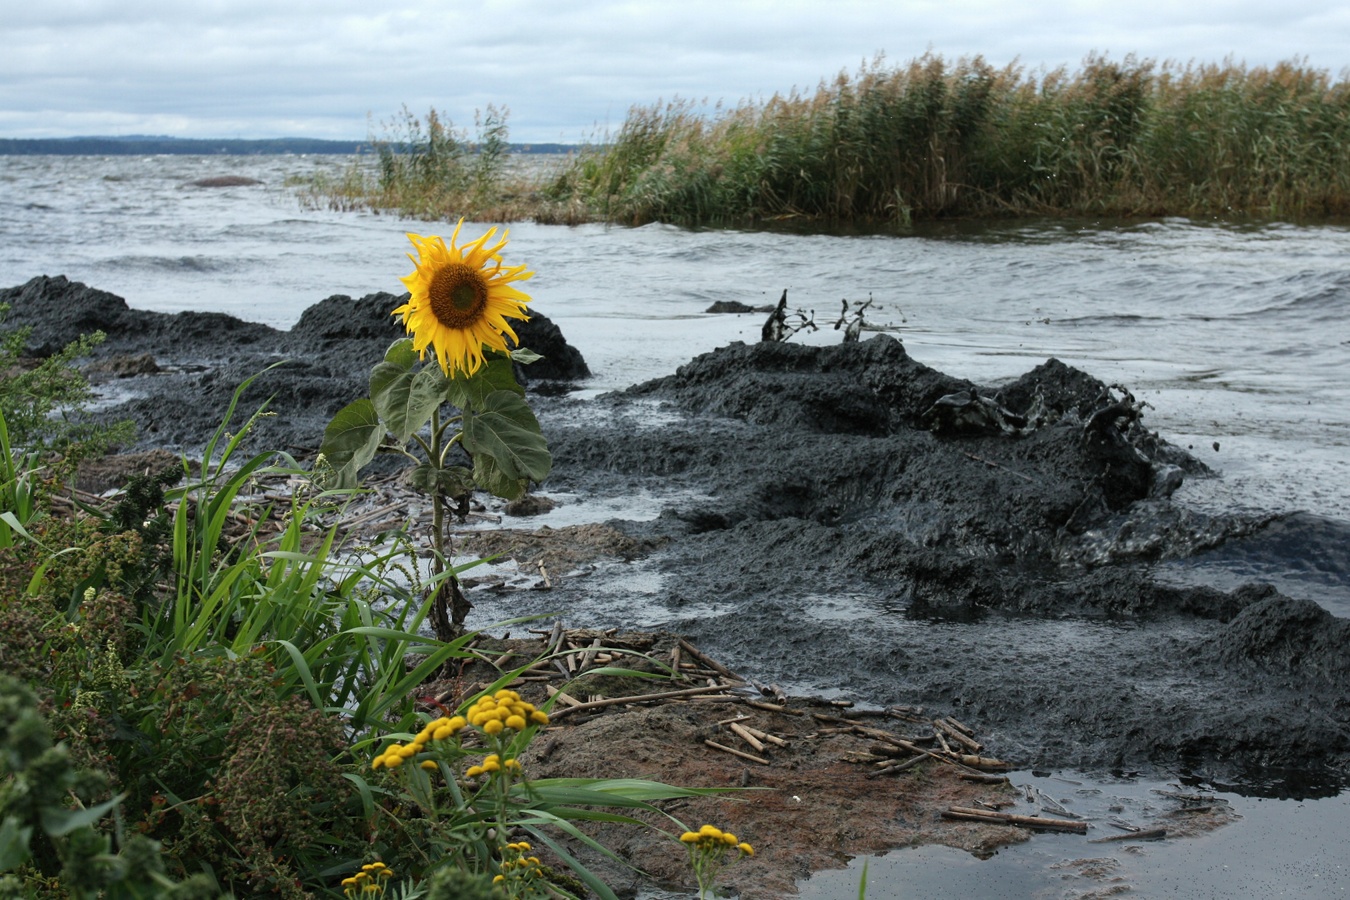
x,y
530,505
122,366
224,181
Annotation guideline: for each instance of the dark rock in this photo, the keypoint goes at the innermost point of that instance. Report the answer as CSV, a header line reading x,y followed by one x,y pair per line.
x,y
530,505
121,367
1286,635
112,472
304,375
220,181
341,318
561,361
59,311
736,306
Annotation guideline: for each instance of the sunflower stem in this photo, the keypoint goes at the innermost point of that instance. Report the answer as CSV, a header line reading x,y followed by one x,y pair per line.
x,y
447,616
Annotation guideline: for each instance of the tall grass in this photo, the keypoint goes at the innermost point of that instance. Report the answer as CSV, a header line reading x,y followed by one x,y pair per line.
x,y
426,168
928,140
219,674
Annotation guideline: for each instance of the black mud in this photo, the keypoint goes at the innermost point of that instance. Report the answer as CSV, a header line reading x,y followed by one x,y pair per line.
x,y
848,520
199,359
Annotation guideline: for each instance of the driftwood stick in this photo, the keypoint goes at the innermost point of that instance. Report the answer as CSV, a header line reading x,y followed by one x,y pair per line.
x,y
984,815
765,736
941,726
908,713
643,698
773,707
988,763
358,521
889,738
964,729
983,762
709,661
1149,834
1054,805
562,697
984,778
742,754
895,766
746,736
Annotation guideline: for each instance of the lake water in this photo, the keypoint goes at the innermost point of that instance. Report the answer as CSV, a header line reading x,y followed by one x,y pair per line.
x,y
1236,335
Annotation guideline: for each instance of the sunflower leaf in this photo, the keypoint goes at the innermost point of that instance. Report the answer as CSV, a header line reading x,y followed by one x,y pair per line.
x,y
525,356
497,374
404,399
350,441
504,428
401,353
490,477
452,481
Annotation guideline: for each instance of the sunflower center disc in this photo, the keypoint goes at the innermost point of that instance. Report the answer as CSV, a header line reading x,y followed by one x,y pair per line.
x,y
458,294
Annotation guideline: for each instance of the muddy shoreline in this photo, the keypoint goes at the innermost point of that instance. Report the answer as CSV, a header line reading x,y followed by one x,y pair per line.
x,y
849,521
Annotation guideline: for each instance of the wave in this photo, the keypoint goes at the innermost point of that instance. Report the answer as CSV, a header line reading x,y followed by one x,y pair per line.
x,y
197,263
1320,295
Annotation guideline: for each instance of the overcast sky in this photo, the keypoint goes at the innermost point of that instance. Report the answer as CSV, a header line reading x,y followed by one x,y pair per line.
x,y
565,70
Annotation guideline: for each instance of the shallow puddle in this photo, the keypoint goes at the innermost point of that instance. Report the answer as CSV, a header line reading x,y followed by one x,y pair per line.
x,y
1268,848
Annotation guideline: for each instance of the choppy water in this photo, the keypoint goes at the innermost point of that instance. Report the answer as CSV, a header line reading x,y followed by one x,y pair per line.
x,y
1236,335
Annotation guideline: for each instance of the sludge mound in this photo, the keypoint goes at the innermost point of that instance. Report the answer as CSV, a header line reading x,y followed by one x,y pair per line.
x,y
853,523
188,365
848,522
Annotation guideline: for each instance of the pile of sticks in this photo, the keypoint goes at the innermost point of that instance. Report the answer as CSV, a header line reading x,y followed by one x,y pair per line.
x,y
949,741
696,677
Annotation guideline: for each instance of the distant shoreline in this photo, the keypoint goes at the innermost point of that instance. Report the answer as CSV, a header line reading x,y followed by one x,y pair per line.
x,y
144,145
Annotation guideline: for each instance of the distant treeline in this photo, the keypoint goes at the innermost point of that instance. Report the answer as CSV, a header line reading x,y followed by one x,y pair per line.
x,y
140,145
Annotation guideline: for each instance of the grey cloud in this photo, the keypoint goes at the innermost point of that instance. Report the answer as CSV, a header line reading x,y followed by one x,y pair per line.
x,y
258,68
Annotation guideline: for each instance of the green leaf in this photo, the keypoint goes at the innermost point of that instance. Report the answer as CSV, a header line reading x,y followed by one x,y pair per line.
x,y
404,399
350,441
497,374
13,843
401,353
452,481
490,477
504,429
525,356
60,822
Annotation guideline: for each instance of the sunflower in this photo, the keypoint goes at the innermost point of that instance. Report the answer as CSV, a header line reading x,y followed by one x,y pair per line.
x,y
461,299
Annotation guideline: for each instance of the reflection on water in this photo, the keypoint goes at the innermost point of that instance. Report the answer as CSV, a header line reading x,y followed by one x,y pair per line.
x,y
1277,849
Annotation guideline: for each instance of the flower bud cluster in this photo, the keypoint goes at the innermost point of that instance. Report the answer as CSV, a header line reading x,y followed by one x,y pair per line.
x,y
710,837
519,870
493,763
503,710
369,882
710,849
442,729
494,715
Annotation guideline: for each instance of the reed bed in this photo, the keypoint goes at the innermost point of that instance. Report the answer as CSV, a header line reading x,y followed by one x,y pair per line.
x,y
930,140
426,168
893,145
